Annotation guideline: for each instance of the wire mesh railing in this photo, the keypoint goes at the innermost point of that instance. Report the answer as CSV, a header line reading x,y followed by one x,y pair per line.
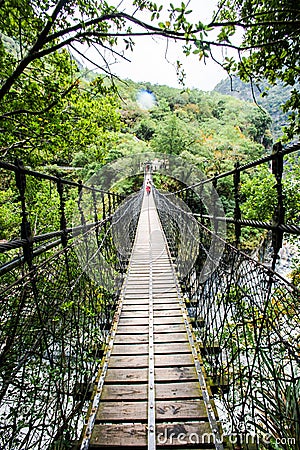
x,y
247,320
58,297
271,203
248,323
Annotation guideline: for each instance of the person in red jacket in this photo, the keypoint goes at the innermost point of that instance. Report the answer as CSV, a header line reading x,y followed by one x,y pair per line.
x,y
148,189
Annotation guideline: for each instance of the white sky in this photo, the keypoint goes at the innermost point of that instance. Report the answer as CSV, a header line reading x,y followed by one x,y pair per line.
x,y
150,62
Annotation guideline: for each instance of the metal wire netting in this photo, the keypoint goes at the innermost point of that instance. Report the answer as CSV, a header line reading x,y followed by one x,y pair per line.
x,y
54,324
247,321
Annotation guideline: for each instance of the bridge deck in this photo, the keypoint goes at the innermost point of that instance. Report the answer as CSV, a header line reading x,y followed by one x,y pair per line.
x,y
151,391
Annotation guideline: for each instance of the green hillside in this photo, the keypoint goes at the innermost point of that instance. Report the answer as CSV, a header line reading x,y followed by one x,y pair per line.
x,y
208,128
276,96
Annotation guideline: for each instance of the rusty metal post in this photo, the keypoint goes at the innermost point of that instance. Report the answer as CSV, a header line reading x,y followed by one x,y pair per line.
x,y
114,202
96,219
26,233
279,212
82,218
63,221
237,209
214,200
109,204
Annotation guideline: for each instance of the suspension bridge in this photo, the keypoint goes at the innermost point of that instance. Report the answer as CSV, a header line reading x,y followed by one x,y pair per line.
x,y
141,327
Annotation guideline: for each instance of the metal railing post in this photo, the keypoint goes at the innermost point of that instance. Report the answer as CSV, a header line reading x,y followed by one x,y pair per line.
x,y
25,224
237,209
63,221
213,197
279,211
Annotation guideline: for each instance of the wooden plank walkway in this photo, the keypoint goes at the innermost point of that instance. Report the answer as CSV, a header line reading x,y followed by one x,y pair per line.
x,y
151,392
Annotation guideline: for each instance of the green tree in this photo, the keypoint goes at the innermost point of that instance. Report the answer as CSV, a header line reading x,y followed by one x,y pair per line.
x,y
172,136
258,190
260,195
269,47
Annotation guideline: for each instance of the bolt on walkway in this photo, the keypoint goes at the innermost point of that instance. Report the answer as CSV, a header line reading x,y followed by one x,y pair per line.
x,y
151,391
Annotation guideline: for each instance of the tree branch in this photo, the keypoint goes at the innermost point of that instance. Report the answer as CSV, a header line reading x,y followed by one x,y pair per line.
x,y
77,31
256,24
42,111
5,88
5,150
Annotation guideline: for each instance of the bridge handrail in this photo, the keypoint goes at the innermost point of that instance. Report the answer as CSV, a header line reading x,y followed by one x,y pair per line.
x,y
27,240
19,168
247,318
287,228
278,151
18,243
278,225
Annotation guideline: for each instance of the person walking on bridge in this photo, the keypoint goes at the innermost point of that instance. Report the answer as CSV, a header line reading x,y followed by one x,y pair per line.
x,y
148,188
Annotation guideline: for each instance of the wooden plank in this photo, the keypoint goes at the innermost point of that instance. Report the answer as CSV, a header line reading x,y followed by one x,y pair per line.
x,y
180,410
172,347
162,283
178,373
118,435
133,321
184,433
137,283
182,359
137,291
164,299
131,338
125,392
132,375
175,390
162,306
136,313
168,320
169,302
129,361
130,349
166,295
137,270
142,278
136,295
165,276
169,328
132,330
122,411
170,337
168,312
142,302
121,420
127,307
138,302
162,263
163,290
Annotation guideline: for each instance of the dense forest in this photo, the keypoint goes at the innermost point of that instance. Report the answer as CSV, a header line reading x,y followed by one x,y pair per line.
x,y
62,278
54,113
97,124
269,97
